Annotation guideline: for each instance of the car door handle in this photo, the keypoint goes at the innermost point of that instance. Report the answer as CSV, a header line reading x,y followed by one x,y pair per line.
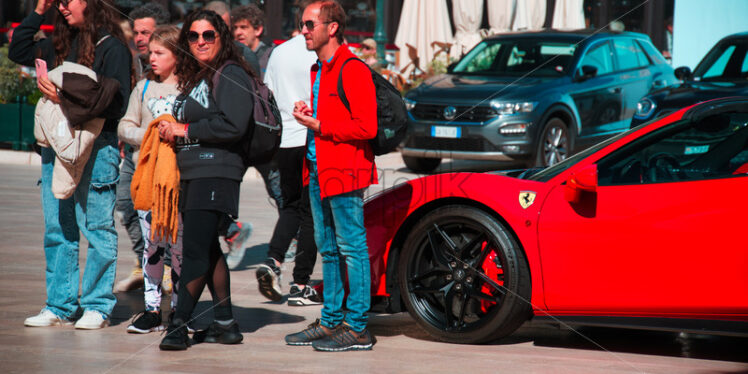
x,y
659,83
616,90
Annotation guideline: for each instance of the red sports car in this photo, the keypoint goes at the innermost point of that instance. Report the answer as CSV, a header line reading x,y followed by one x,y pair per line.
x,y
643,230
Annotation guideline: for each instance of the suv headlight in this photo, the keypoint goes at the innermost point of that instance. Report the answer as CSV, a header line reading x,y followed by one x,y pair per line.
x,y
409,104
644,108
509,108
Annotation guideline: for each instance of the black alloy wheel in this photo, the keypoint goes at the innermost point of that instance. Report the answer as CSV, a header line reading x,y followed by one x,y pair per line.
x,y
463,276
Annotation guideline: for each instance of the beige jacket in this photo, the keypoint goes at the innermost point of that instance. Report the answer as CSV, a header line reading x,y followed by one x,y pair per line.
x,y
72,146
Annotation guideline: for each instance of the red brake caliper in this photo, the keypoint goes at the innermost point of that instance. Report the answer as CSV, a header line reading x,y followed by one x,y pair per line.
x,y
492,270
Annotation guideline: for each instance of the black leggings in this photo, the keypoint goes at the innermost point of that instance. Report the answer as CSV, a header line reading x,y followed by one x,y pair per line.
x,y
203,263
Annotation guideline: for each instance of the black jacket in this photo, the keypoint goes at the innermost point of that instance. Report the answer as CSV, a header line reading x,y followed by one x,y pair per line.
x,y
112,59
218,121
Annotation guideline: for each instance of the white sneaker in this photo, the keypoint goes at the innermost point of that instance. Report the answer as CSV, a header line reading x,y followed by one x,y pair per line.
x,y
92,320
46,318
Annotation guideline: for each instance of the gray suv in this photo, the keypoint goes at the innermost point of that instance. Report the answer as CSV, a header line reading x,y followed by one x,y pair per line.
x,y
532,97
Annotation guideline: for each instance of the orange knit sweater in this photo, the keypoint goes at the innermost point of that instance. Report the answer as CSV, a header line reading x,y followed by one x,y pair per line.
x,y
155,183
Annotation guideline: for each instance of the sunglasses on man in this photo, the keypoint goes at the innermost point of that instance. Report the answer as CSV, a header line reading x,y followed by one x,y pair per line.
x,y
310,25
208,35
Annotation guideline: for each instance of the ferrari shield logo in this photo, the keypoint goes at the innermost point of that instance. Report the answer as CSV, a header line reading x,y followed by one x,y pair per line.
x,y
526,198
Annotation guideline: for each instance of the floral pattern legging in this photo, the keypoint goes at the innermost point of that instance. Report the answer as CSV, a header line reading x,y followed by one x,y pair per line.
x,y
153,264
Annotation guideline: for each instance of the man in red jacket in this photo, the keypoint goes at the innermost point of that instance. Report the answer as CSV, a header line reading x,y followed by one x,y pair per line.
x,y
341,165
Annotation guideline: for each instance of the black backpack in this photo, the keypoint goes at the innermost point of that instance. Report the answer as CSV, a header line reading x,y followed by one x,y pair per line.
x,y
263,137
392,117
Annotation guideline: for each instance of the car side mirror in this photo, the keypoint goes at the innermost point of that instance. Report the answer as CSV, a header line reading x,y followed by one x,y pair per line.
x,y
451,67
683,73
582,180
586,72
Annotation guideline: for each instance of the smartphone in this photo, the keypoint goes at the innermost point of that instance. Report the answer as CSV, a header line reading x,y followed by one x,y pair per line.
x,y
41,68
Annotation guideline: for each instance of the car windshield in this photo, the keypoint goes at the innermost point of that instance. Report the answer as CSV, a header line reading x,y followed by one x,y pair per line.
x,y
518,57
726,62
552,171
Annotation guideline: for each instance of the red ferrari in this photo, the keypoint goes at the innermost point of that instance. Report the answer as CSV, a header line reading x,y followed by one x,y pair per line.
x,y
642,230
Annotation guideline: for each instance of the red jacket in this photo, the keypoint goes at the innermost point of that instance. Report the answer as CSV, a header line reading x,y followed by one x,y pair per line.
x,y
345,161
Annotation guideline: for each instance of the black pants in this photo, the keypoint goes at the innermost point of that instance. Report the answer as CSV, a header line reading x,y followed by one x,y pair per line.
x,y
203,264
271,175
295,216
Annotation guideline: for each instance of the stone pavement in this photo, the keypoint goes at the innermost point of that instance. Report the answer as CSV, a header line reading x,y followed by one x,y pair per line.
x,y
402,346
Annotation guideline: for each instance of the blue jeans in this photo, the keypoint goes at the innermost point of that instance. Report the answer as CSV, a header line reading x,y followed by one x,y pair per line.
x,y
340,235
91,211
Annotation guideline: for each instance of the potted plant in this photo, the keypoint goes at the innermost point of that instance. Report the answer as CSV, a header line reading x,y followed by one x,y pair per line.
x,y
18,97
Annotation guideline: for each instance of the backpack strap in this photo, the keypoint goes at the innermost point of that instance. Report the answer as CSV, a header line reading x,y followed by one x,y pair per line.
x,y
341,92
145,87
219,71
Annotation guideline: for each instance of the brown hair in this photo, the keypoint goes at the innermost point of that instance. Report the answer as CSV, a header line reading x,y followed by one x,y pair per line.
x,y
168,36
332,11
252,13
99,15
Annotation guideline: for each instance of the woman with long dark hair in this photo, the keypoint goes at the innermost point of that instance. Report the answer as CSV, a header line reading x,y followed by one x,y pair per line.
x,y
213,116
86,32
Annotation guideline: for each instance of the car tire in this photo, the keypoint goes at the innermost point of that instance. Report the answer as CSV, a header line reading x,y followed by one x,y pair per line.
x,y
493,296
421,164
555,143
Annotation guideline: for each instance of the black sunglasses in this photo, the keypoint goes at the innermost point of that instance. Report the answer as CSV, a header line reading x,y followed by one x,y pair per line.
x,y
208,35
310,25
63,2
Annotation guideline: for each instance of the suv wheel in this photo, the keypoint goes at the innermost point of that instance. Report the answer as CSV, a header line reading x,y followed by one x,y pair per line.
x,y
421,164
554,144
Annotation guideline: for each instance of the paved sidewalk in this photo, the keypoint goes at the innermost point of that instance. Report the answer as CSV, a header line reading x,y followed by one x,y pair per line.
x,y
402,346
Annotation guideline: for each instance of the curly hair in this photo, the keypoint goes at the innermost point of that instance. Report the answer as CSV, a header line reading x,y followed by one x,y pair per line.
x,y
252,13
99,15
166,35
151,10
189,69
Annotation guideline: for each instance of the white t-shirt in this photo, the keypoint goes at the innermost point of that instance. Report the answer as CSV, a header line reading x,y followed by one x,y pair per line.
x,y
288,76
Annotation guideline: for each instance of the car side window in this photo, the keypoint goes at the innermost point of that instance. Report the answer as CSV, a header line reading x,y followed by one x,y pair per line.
x,y
485,59
718,68
600,57
628,54
654,55
710,148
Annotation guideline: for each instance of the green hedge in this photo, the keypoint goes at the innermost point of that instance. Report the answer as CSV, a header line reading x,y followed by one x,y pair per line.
x,y
18,96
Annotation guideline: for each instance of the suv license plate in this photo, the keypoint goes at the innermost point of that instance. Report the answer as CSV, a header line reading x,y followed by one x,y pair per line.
x,y
445,132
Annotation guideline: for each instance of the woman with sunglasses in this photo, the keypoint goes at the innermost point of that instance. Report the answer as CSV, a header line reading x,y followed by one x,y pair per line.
x,y
213,116
86,32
